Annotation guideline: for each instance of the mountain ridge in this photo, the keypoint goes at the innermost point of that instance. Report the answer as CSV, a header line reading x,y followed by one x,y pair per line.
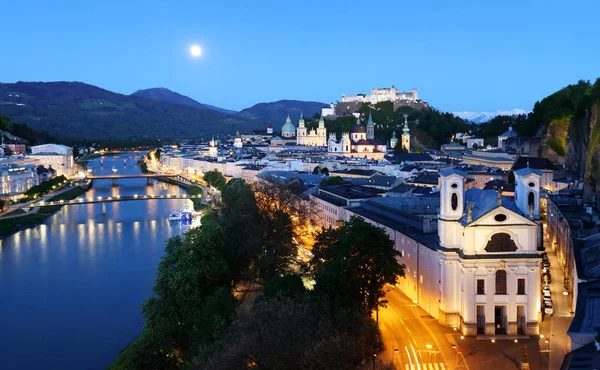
x,y
164,94
481,117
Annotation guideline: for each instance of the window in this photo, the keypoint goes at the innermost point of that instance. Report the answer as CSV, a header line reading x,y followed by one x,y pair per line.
x,y
454,201
521,286
480,286
531,199
501,242
500,217
500,282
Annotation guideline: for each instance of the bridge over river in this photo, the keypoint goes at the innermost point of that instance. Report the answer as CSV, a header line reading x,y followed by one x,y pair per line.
x,y
111,199
116,177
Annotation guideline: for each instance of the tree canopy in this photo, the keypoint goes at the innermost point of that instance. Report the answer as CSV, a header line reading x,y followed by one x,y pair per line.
x,y
215,179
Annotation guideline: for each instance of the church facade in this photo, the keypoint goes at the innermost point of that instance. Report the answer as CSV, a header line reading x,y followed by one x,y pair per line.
x,y
489,259
311,138
480,273
359,143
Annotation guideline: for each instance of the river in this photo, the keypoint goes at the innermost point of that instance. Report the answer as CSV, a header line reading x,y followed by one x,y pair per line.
x,y
71,289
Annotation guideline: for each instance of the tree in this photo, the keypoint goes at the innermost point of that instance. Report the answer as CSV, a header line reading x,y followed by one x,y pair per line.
x,y
316,170
215,179
196,190
292,334
354,262
335,180
284,286
475,146
418,150
286,224
241,221
399,149
325,171
191,269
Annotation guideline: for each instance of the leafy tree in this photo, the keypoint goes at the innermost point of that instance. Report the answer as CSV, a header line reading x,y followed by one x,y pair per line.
x,y
418,150
215,179
399,149
354,262
191,269
285,223
316,170
292,334
475,146
335,180
5,124
196,190
325,171
241,222
284,286
2,204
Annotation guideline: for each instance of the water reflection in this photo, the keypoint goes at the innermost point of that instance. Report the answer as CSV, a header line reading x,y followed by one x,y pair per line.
x,y
82,272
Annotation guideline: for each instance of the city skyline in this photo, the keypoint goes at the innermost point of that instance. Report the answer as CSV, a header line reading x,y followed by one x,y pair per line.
x,y
472,57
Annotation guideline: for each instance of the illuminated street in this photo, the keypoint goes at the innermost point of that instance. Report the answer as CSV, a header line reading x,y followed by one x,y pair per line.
x,y
413,339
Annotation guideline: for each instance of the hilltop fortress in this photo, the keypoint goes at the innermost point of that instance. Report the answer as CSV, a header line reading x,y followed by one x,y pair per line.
x,y
351,103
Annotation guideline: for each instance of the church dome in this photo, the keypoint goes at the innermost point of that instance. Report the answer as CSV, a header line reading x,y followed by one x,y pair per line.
x,y
289,126
394,139
359,129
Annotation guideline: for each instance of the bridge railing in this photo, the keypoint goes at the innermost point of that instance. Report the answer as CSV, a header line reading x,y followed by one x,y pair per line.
x,y
116,199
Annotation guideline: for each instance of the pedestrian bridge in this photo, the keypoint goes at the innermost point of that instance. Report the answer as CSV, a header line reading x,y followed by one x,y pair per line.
x,y
132,176
118,198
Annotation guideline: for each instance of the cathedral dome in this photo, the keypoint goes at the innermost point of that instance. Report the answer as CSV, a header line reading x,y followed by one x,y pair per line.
x,y
358,129
289,126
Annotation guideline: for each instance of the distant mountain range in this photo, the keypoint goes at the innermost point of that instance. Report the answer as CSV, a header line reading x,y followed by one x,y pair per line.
x,y
481,117
76,110
160,93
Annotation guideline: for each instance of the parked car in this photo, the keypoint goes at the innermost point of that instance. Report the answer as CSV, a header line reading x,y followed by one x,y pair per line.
x,y
548,309
546,288
546,264
546,293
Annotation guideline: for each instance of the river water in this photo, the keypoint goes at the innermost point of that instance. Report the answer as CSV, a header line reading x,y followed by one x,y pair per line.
x,y
71,289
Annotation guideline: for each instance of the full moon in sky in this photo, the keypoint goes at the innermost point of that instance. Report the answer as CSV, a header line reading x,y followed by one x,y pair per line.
x,y
195,50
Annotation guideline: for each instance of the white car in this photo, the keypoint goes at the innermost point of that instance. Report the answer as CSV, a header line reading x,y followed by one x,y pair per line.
x,y
546,294
548,308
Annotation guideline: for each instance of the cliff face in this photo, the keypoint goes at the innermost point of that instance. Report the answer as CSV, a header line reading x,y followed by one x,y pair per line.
x,y
583,149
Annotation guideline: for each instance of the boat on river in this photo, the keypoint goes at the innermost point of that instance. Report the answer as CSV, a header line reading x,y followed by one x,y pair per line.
x,y
174,216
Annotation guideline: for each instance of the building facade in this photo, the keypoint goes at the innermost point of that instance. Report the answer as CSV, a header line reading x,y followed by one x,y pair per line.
x,y
311,138
359,143
16,179
59,157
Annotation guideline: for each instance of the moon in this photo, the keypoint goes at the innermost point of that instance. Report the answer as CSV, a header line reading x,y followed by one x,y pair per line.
x,y
195,50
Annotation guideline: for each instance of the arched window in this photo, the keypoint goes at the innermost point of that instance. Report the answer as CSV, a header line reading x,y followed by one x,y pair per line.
x,y
501,242
531,199
500,282
454,201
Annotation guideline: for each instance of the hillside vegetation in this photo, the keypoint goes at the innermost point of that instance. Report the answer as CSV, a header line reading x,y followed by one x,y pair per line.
x,y
78,110
277,112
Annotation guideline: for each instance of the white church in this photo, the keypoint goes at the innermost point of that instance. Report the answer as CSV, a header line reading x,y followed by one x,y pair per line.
x,y
359,143
488,256
480,273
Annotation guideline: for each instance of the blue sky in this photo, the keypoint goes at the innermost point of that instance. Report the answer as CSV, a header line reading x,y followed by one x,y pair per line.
x,y
461,55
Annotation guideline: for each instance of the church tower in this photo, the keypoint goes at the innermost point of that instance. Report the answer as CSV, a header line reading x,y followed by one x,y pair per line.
x,y
322,132
406,135
237,142
527,191
393,140
213,151
370,128
301,131
452,201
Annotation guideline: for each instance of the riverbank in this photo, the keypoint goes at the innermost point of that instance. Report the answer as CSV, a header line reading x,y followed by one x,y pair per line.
x,y
12,225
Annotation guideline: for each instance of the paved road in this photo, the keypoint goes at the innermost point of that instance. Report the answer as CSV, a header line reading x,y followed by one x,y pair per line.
x,y
555,327
413,339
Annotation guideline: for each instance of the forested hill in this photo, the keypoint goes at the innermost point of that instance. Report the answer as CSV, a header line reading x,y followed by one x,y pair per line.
x,y
75,110
161,93
276,112
570,125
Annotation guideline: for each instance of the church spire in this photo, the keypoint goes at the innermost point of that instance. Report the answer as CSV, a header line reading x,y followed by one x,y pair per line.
x,y
405,129
370,127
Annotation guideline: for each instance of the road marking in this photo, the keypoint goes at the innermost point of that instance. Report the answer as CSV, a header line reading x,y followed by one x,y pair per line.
x,y
409,359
